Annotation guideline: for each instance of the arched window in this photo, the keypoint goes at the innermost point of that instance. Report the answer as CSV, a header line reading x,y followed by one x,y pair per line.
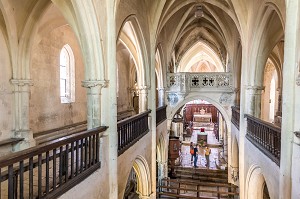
x,y
67,75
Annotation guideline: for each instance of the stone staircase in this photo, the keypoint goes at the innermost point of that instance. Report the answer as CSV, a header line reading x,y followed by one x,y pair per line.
x,y
197,183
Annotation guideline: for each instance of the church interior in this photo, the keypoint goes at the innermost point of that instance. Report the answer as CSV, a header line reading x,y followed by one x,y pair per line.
x,y
128,99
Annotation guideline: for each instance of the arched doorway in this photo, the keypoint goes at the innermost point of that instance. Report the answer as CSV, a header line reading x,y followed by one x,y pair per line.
x,y
139,180
203,124
256,187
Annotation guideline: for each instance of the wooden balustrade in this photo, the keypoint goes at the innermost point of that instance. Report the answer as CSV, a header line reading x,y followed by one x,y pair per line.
x,y
49,170
235,118
131,130
161,114
265,136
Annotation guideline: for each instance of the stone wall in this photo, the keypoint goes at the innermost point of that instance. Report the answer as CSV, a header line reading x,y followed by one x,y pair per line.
x,y
6,94
123,79
46,109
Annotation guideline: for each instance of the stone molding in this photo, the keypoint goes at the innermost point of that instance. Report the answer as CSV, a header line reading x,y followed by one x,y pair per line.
x,y
95,83
21,85
255,90
22,82
160,89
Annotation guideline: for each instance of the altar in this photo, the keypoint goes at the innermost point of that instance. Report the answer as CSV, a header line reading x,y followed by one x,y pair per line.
x,y
202,117
201,135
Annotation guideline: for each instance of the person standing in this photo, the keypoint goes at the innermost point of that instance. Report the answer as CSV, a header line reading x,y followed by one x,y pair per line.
x,y
192,151
195,155
207,153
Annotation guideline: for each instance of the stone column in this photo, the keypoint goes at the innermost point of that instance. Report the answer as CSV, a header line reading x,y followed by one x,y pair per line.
x,y
161,97
162,169
21,129
254,97
237,96
130,92
279,109
143,98
94,101
289,158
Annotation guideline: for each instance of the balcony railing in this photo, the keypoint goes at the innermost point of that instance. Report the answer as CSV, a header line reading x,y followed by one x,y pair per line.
x,y
183,82
265,136
235,119
49,170
131,130
161,114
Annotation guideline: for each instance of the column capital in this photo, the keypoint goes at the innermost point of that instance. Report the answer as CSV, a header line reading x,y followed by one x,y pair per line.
x,y
236,90
143,88
131,89
94,83
160,89
298,80
22,82
255,90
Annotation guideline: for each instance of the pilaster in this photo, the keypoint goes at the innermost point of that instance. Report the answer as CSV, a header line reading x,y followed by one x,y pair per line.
x,y
21,91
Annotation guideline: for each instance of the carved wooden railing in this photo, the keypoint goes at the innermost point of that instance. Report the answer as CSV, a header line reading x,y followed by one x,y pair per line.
x,y
49,170
235,119
265,136
161,114
131,130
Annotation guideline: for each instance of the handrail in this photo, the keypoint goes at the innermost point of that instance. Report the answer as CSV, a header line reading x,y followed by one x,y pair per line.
x,y
265,136
33,151
235,119
72,158
131,130
161,114
130,119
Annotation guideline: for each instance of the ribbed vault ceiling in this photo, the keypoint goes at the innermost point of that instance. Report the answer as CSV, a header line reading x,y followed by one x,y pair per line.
x,y
216,27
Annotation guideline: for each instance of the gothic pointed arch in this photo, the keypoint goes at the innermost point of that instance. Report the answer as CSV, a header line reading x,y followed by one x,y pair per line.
x,y
131,36
142,171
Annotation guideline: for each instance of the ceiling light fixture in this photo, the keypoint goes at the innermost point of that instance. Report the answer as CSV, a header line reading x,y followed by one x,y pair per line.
x,y
199,12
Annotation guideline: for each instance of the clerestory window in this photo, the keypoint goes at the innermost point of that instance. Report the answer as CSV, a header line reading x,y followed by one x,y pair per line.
x,y
67,75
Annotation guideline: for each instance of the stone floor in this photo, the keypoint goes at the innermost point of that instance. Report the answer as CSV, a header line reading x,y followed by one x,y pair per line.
x,y
185,157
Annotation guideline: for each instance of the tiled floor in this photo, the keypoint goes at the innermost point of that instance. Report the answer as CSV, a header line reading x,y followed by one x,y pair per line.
x,y
186,156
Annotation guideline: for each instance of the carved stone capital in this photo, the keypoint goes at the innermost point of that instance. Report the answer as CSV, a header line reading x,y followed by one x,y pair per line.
x,y
297,134
21,85
160,89
144,88
22,82
94,83
236,90
255,90
298,80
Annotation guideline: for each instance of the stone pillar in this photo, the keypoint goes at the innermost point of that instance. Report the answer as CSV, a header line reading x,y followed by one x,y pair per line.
x,y
21,129
143,98
130,92
237,96
162,169
94,102
254,97
161,97
289,162
279,109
